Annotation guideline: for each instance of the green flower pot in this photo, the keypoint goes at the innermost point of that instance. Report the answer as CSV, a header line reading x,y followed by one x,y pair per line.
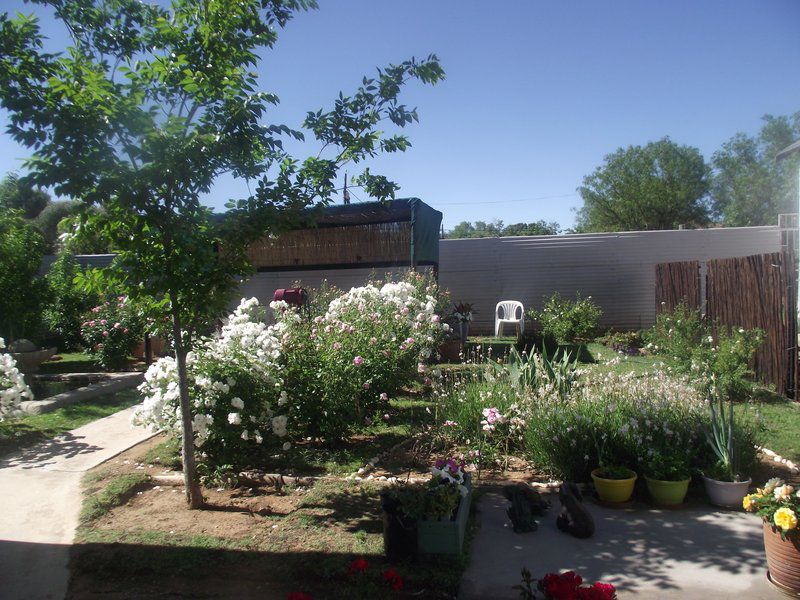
x,y
667,493
614,490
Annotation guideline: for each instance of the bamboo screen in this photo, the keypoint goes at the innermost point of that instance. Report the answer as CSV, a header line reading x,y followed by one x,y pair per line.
x,y
362,244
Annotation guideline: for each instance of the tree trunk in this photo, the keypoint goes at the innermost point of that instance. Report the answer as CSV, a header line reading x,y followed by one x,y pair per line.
x,y
194,495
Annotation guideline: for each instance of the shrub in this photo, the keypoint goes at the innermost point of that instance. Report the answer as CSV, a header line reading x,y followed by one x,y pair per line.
x,y
67,304
21,291
235,385
12,385
676,334
723,367
624,342
343,365
111,330
718,361
624,420
568,321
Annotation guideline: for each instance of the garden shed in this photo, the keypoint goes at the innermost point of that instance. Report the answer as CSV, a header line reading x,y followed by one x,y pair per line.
x,y
399,233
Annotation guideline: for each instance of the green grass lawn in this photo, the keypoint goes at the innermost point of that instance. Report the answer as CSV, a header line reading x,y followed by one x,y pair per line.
x,y
780,420
71,362
35,428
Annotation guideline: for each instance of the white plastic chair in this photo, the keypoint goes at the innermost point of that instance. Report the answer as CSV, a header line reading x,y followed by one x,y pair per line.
x,y
506,313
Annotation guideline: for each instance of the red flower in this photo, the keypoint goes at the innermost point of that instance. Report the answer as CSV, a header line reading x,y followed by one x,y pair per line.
x,y
359,565
392,577
299,596
606,591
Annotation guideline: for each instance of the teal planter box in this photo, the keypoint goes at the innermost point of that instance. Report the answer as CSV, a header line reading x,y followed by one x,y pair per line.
x,y
445,537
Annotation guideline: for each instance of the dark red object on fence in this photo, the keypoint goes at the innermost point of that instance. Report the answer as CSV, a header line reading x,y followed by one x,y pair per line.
x,y
294,296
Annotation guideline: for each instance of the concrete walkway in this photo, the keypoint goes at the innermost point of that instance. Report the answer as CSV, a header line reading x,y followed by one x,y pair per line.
x,y
40,499
694,553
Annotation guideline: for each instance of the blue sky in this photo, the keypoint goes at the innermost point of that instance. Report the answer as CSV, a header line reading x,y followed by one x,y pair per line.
x,y
537,93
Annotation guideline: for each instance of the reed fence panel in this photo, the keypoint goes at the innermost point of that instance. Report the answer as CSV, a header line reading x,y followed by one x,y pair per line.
x,y
758,291
677,282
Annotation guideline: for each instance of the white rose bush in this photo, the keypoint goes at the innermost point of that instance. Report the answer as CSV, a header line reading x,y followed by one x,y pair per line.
x,y
13,388
235,387
342,366
255,387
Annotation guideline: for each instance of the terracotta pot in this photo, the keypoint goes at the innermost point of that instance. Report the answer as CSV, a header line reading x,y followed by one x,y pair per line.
x,y
783,559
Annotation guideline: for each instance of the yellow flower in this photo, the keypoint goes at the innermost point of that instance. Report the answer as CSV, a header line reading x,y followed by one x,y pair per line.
x,y
785,518
749,501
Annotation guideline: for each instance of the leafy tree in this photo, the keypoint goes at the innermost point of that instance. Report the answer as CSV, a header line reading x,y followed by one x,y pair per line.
x,y
539,227
148,106
21,291
748,186
19,194
47,221
66,301
481,229
657,186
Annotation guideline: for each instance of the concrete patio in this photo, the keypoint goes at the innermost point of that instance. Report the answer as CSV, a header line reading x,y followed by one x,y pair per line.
x,y
693,553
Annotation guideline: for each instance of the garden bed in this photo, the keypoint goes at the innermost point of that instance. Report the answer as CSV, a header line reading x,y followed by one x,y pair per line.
x,y
247,543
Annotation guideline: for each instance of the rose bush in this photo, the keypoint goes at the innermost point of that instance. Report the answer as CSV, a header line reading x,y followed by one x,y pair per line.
x,y
235,386
342,366
13,388
111,330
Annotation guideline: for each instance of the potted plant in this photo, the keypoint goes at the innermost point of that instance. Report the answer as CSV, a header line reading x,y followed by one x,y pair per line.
x,y
667,478
778,504
429,519
451,344
443,525
724,483
462,313
614,484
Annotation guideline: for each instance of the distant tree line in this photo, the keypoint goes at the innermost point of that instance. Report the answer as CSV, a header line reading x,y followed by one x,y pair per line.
x,y
664,185
496,228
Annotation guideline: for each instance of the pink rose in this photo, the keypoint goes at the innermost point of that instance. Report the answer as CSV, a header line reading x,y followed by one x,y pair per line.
x,y
103,321
366,385
358,361
384,396
105,334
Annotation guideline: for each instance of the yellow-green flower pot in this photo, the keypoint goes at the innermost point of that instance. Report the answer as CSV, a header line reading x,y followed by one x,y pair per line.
x,y
614,491
667,493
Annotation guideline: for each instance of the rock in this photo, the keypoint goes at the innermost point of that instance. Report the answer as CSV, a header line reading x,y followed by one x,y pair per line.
x,y
22,345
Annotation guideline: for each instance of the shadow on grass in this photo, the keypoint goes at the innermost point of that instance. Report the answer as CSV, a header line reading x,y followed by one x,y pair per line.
x,y
205,567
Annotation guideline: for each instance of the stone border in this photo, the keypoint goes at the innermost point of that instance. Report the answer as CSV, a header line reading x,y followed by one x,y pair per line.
x,y
114,383
779,459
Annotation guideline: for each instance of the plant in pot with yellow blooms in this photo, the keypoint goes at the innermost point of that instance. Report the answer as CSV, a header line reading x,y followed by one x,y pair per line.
x,y
778,504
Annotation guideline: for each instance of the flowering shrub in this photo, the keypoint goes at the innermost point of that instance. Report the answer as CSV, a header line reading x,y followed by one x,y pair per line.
x,y
12,385
778,503
343,365
568,321
626,420
110,331
676,334
235,388
716,360
563,586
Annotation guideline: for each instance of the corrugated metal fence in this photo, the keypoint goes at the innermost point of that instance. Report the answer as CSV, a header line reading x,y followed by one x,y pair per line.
x,y
616,269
